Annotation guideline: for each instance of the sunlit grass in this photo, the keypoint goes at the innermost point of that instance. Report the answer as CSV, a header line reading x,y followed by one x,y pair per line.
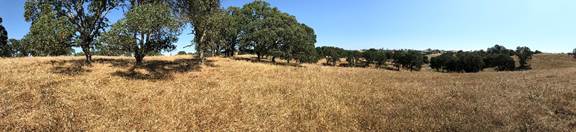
x,y
176,93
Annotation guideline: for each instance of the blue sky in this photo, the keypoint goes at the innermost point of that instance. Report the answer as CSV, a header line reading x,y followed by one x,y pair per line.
x,y
546,25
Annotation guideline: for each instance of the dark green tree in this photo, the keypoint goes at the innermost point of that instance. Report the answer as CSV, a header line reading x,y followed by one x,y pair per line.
x,y
332,54
470,62
498,49
353,57
574,53
226,28
5,49
19,49
375,56
502,62
50,34
524,55
269,32
87,17
410,59
181,53
147,29
537,52
198,13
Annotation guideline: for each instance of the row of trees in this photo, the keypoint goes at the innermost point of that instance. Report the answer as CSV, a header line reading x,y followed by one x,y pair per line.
x,y
497,57
408,59
260,29
152,26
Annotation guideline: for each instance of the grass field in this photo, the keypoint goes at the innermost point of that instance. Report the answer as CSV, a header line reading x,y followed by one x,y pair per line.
x,y
175,93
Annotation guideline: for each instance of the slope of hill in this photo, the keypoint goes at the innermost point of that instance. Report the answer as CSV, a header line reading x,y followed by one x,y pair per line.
x,y
175,93
552,61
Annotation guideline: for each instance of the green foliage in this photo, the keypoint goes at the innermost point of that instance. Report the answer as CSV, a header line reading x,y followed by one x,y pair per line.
x,y
502,62
374,56
50,34
470,62
353,57
87,19
224,36
181,53
410,59
474,61
147,29
198,13
19,48
498,49
269,32
332,54
5,49
524,55
537,52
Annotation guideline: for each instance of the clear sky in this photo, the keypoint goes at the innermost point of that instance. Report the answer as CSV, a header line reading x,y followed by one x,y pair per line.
x,y
546,25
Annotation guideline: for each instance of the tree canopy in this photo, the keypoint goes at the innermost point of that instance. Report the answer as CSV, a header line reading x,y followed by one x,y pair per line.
x,y
198,13
147,28
50,34
86,17
524,55
270,32
5,50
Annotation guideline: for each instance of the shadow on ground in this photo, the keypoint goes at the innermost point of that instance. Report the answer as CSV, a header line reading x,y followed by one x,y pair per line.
x,y
266,61
149,70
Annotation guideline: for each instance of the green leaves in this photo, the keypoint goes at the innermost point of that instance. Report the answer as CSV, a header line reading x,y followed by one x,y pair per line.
x,y
524,54
86,19
147,28
269,31
5,49
50,34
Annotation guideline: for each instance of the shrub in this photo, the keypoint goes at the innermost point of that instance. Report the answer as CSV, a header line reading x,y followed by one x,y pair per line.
x,y
501,62
181,53
537,52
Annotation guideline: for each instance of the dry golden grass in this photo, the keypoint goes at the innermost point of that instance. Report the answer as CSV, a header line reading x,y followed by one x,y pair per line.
x,y
176,94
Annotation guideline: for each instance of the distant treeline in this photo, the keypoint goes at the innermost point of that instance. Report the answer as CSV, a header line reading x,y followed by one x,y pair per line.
x,y
498,57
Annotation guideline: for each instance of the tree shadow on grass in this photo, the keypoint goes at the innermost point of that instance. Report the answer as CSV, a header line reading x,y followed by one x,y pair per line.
x,y
162,70
69,67
266,61
149,70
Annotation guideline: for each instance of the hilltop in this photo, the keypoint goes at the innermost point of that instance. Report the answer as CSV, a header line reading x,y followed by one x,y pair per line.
x,y
176,93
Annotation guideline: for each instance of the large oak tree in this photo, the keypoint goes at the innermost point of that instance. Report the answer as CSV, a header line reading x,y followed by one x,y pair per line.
x,y
88,17
147,28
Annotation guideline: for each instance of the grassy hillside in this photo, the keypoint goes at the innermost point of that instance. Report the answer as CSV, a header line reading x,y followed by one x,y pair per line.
x,y
175,93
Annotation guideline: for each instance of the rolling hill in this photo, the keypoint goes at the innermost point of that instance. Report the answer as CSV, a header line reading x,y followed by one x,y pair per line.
x,y
234,94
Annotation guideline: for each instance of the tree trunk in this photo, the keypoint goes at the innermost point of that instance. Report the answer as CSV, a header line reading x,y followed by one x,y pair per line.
x,y
139,57
274,59
201,44
258,56
86,49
